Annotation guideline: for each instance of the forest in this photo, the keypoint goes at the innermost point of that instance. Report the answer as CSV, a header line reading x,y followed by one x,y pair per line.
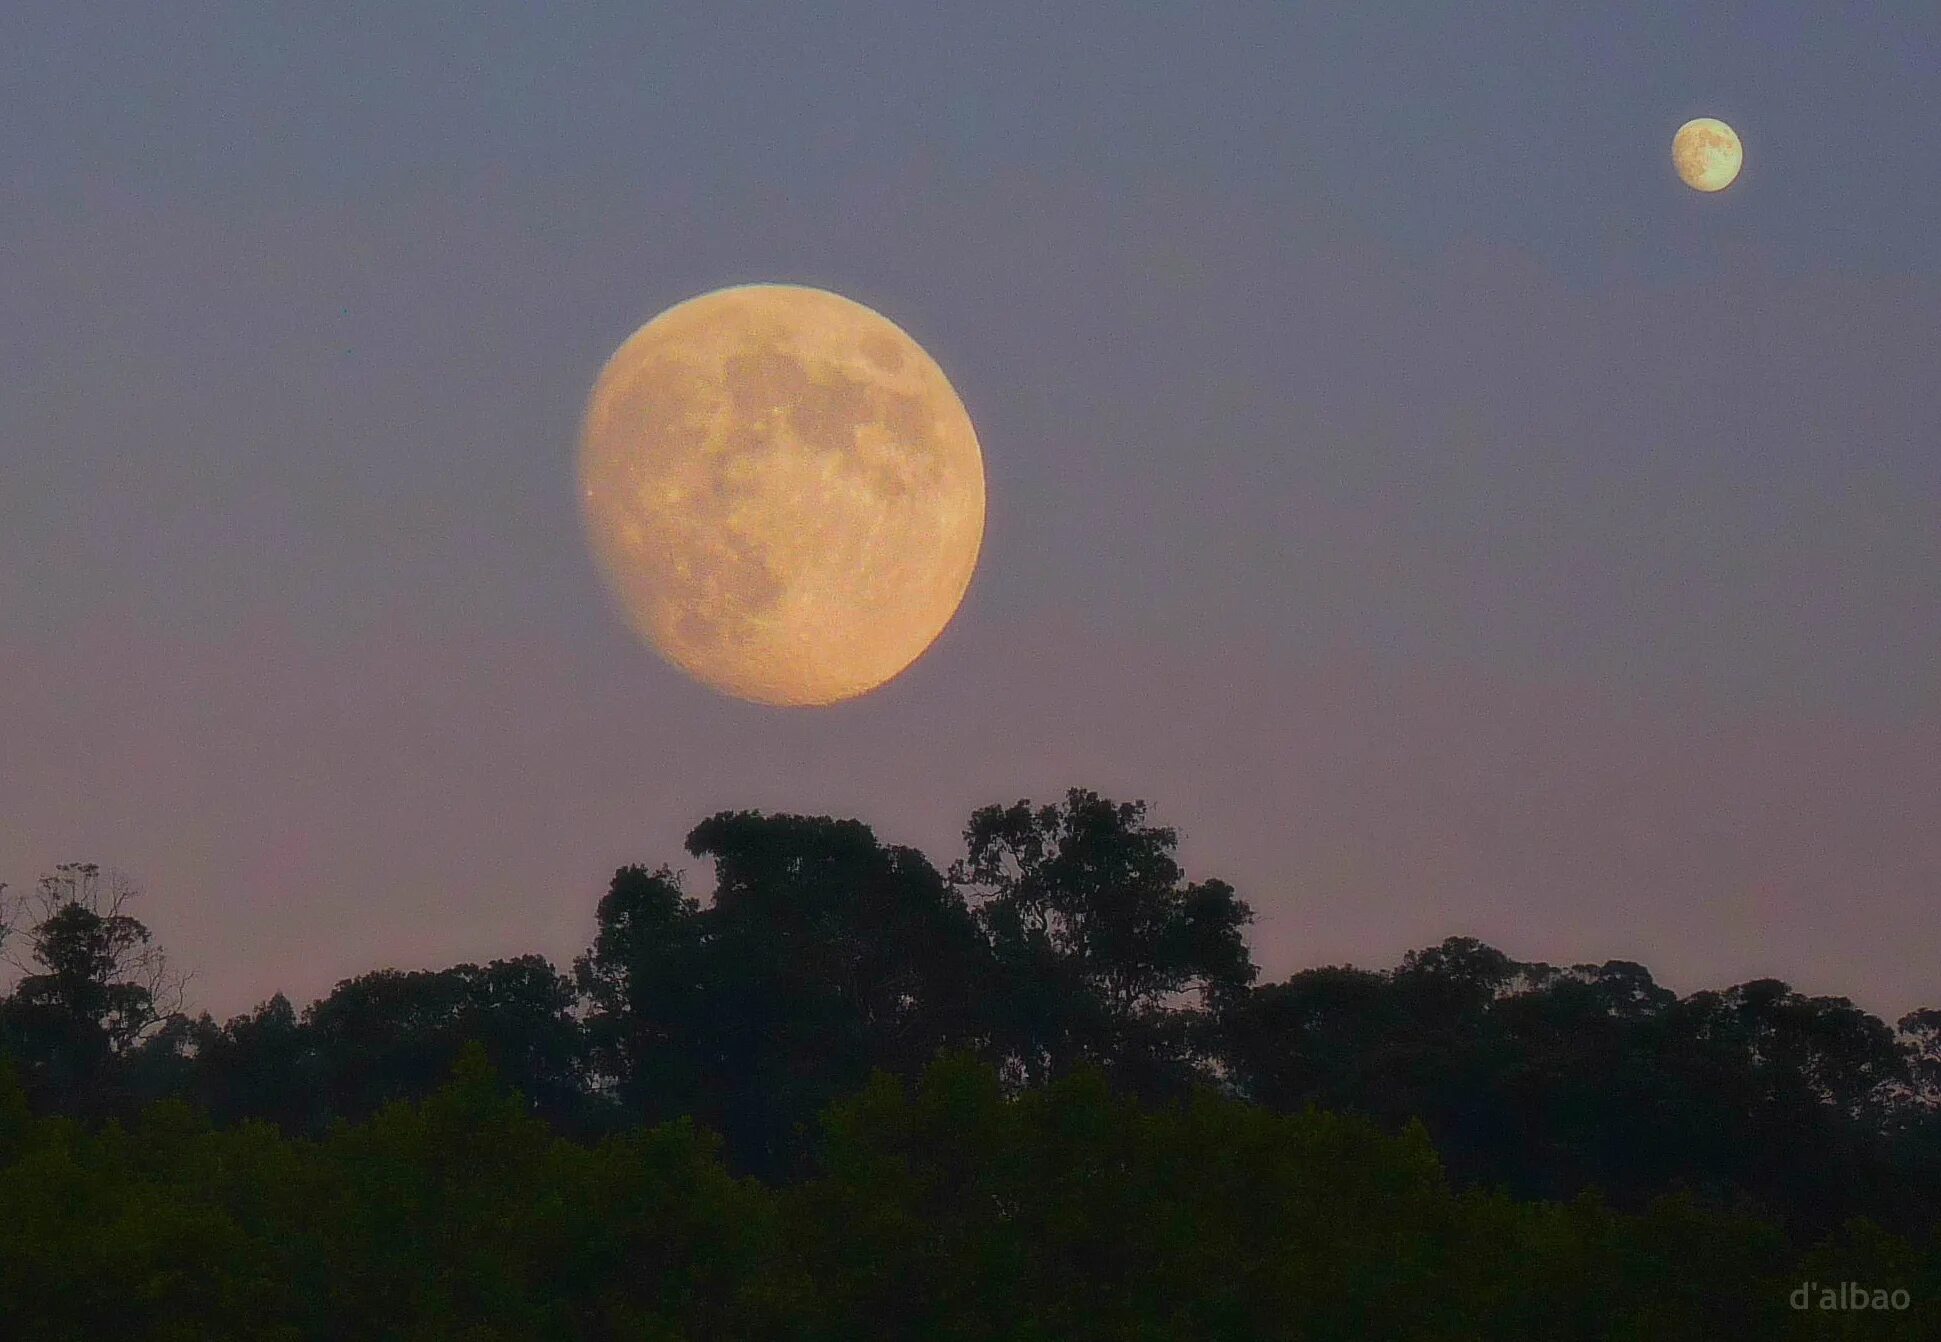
x,y
1038,1091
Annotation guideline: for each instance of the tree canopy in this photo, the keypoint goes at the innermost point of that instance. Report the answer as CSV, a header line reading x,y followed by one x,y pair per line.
x,y
1034,1092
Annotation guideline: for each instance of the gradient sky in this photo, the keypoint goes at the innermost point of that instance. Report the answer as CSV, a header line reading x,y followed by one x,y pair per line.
x,y
1450,521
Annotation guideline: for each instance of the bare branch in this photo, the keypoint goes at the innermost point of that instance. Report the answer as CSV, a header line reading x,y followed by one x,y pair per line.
x,y
86,950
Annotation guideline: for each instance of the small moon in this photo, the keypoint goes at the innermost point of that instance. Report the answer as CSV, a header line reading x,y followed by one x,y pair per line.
x,y
1707,154
783,491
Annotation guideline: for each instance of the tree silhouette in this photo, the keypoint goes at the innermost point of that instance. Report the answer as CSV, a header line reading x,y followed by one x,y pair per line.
x,y
1098,939
1066,938
823,954
261,1065
1920,1035
644,981
391,1036
94,984
1556,1081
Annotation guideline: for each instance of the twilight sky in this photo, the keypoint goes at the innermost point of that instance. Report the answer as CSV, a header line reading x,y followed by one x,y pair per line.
x,y
1446,518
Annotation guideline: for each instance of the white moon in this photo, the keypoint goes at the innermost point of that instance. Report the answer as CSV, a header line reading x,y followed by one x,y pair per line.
x,y
784,492
1707,154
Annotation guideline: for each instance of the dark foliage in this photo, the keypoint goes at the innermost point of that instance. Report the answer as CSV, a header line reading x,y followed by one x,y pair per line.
x,y
93,988
1096,937
940,1208
1037,1095
823,955
1555,1081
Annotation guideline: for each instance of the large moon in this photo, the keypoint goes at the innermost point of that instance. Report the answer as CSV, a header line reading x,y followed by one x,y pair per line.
x,y
1707,154
783,490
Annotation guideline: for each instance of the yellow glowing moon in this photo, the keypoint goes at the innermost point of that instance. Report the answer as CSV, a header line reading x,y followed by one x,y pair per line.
x,y
1707,154
783,490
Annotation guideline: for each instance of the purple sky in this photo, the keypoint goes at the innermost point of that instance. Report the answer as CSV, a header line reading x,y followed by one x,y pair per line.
x,y
1447,519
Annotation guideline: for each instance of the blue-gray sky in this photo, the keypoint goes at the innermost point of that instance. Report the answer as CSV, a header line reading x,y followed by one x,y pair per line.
x,y
1450,521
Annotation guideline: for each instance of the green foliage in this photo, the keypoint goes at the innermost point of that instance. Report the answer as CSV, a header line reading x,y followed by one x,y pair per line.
x,y
1039,1098
459,1217
944,1209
